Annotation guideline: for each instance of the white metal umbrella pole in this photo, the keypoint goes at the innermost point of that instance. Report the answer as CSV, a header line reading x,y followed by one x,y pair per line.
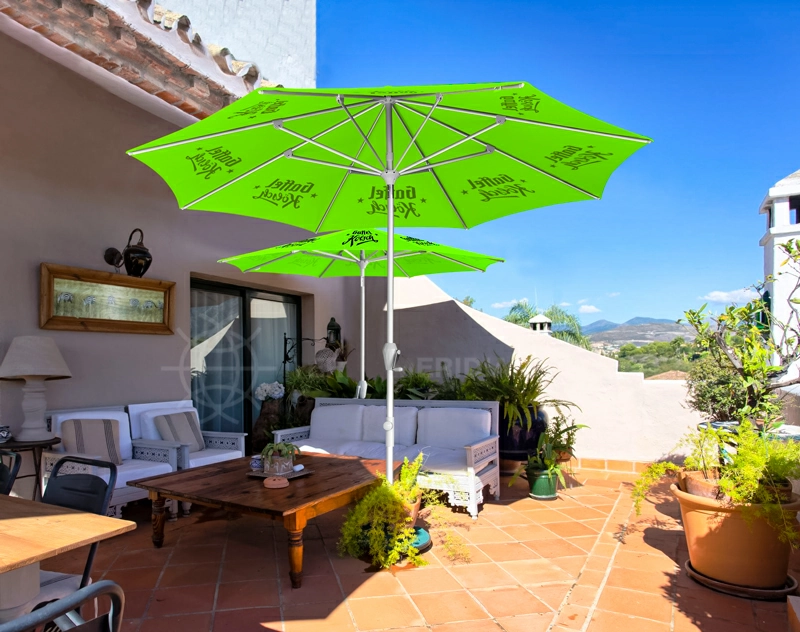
x,y
361,391
390,351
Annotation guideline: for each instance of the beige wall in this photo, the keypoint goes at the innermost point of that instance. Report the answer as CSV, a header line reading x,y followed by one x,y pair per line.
x,y
68,191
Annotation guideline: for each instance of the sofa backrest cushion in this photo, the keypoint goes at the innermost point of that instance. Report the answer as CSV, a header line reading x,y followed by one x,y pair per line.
x,y
405,424
336,423
181,426
93,437
147,420
125,445
452,427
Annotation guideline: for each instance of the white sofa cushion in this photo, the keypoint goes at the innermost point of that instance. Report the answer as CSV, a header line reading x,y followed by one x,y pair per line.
x,y
322,446
125,445
136,469
452,427
336,423
209,455
405,425
147,420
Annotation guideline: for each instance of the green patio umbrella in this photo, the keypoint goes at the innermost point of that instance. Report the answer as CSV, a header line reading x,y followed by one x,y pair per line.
x,y
444,155
362,253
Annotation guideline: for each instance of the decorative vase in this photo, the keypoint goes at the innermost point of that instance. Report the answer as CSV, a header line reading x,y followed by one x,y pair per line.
x,y
268,419
727,547
278,465
5,433
517,443
543,484
256,463
341,366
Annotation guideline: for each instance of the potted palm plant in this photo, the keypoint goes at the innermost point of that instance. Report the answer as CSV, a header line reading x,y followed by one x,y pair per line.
x,y
520,388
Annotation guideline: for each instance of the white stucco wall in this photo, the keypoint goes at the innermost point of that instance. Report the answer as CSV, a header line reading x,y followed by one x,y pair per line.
x,y
279,35
629,418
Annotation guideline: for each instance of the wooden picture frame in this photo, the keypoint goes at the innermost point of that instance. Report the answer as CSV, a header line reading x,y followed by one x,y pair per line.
x,y
76,299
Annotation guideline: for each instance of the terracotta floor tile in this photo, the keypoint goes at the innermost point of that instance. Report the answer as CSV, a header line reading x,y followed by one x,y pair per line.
x,y
554,547
237,571
591,578
583,596
428,580
582,513
572,565
134,578
485,535
385,612
476,556
543,516
527,623
597,563
457,606
524,533
373,585
655,582
181,600
507,551
639,561
510,518
250,594
130,625
571,529
572,617
139,558
468,626
506,602
135,603
587,543
551,594
482,576
195,555
349,565
535,571
597,525
636,603
317,617
315,589
598,501
193,622
189,575
247,620
613,622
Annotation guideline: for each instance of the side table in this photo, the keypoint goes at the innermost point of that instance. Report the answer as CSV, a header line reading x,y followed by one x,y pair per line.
x,y
36,448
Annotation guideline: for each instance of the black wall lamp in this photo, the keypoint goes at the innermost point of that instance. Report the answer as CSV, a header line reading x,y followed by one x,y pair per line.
x,y
136,257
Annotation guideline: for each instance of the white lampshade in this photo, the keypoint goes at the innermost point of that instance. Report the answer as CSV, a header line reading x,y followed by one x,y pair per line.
x,y
33,356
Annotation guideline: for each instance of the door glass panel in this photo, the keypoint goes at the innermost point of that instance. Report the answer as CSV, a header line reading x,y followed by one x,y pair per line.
x,y
217,360
269,320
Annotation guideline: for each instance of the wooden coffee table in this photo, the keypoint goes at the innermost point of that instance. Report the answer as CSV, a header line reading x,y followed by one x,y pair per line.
x,y
335,482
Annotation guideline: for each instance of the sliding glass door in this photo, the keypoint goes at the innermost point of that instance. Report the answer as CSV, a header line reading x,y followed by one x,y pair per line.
x,y
236,344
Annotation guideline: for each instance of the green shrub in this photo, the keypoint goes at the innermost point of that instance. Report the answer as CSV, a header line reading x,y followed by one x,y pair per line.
x,y
715,390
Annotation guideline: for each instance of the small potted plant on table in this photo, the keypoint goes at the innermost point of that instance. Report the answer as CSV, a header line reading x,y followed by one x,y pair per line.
x,y
278,458
381,525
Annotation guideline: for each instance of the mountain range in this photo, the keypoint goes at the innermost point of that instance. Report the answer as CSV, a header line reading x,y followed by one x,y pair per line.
x,y
600,326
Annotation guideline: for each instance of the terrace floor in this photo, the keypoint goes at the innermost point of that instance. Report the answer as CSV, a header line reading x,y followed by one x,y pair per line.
x,y
582,562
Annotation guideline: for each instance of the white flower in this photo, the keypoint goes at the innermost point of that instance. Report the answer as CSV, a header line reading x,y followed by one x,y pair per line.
x,y
273,390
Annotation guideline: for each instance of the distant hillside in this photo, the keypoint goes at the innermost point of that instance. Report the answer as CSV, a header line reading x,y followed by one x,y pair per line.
x,y
598,326
643,334
643,320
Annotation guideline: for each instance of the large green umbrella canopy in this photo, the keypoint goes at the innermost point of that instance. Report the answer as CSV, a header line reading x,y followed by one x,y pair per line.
x,y
445,155
361,253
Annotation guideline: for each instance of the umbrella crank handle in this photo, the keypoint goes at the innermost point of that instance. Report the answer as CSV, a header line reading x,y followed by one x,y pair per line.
x,y
390,355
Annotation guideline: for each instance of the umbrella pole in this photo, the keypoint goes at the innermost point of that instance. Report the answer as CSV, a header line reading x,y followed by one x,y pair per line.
x,y
361,392
390,351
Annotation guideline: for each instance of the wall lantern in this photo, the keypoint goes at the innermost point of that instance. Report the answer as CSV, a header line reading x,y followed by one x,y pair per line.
x,y
136,257
334,333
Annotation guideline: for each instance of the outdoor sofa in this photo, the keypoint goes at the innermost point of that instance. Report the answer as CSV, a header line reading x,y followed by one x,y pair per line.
x,y
459,441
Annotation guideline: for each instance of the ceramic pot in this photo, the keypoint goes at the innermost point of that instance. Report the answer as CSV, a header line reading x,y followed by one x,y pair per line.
x,y
278,465
413,510
723,545
5,433
697,484
543,484
256,463
517,443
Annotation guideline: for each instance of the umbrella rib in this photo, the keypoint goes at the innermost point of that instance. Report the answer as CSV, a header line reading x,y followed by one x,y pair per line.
x,y
360,131
408,276
450,108
264,164
435,175
246,128
413,140
410,167
301,93
456,261
488,150
326,148
507,155
347,252
332,164
327,267
265,263
329,255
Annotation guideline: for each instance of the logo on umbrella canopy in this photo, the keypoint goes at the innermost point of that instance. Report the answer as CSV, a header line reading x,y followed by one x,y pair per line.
x,y
208,162
359,237
284,193
577,157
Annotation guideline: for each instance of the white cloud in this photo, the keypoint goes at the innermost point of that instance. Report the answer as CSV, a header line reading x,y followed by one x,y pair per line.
x,y
734,296
613,294
582,301
564,304
507,304
588,309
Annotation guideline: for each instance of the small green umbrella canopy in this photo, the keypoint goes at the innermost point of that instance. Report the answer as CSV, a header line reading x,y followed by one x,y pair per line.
x,y
361,252
442,155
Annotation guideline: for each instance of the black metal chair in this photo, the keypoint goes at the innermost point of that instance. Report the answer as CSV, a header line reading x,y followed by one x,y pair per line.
x,y
8,473
83,492
65,612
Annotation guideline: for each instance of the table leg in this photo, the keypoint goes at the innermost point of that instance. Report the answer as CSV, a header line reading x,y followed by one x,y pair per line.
x,y
37,468
158,518
295,524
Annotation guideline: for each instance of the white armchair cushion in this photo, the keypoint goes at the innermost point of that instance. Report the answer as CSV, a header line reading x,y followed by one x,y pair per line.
x,y
212,455
405,425
452,427
181,426
336,423
125,445
92,436
147,420
324,446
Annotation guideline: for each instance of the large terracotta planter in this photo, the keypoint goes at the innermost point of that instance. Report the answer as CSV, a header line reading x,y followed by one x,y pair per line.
x,y
725,547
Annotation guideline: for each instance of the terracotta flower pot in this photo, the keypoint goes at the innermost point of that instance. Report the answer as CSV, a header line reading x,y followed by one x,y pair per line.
x,y
413,510
697,484
724,546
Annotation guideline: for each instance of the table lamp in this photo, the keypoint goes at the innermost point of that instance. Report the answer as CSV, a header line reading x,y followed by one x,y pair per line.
x,y
33,359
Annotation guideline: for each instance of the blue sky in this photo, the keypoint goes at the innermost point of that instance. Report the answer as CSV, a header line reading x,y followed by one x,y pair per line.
x,y
714,84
